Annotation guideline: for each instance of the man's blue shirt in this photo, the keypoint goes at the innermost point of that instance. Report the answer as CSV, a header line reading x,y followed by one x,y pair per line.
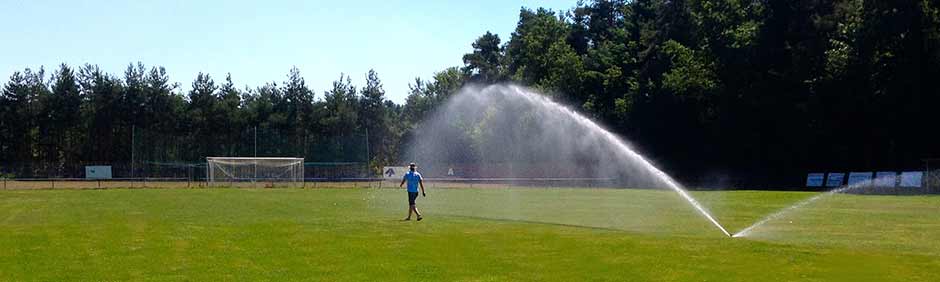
x,y
412,177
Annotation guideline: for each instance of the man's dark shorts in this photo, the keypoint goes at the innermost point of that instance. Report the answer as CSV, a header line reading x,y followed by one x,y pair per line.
x,y
411,197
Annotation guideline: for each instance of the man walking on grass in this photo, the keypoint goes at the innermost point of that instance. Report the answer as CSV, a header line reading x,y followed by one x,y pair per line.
x,y
414,181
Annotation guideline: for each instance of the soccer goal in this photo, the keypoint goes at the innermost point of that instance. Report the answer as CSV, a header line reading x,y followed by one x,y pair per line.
x,y
252,172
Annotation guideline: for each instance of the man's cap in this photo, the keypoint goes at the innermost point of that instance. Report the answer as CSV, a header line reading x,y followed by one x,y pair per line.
x,y
412,164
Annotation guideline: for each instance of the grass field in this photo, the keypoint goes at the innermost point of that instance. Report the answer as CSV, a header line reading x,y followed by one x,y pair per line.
x,y
468,235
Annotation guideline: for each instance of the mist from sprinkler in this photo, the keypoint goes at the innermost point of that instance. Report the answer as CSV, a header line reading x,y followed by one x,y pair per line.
x,y
507,123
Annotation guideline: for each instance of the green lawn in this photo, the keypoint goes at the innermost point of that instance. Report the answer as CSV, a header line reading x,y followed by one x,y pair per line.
x,y
468,235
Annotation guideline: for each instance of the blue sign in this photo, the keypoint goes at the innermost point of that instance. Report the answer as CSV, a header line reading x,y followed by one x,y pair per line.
x,y
98,172
835,179
815,179
860,178
912,178
886,178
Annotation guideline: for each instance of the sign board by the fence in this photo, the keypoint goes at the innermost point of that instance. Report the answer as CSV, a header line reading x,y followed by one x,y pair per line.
x,y
394,172
98,172
886,178
815,179
860,178
835,179
911,178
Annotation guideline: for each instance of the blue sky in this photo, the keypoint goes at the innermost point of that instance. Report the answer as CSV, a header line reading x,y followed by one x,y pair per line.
x,y
257,41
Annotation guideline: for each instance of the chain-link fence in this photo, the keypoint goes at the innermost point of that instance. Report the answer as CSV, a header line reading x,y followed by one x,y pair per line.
x,y
932,181
154,154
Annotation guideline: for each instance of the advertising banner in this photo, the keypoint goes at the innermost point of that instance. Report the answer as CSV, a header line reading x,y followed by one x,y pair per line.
x,y
886,178
815,179
860,178
912,178
835,179
98,172
394,172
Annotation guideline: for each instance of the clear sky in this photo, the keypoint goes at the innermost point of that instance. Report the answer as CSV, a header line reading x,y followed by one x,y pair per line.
x,y
256,41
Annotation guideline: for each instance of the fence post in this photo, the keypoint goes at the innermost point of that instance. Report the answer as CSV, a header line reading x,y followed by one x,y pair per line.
x,y
99,183
4,184
53,183
925,181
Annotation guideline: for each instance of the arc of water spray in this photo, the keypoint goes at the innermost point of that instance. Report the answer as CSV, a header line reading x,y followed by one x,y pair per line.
x,y
800,204
625,148
671,183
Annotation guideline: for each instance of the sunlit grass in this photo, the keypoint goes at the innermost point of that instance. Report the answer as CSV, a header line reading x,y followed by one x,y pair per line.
x,y
468,235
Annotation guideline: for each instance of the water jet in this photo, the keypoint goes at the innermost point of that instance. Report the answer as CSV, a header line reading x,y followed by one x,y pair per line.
x,y
526,132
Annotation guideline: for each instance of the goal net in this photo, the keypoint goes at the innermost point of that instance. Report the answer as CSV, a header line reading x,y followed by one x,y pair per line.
x,y
251,172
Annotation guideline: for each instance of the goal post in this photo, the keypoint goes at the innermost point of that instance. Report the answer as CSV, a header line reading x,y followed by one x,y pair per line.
x,y
249,171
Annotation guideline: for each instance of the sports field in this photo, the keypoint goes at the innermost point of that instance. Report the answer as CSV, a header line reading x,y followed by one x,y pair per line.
x,y
517,234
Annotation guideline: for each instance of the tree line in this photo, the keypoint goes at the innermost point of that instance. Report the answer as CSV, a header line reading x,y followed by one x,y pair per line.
x,y
729,92
50,123
737,92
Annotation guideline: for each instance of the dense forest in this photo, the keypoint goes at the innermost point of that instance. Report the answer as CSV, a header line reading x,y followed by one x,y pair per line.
x,y
727,92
